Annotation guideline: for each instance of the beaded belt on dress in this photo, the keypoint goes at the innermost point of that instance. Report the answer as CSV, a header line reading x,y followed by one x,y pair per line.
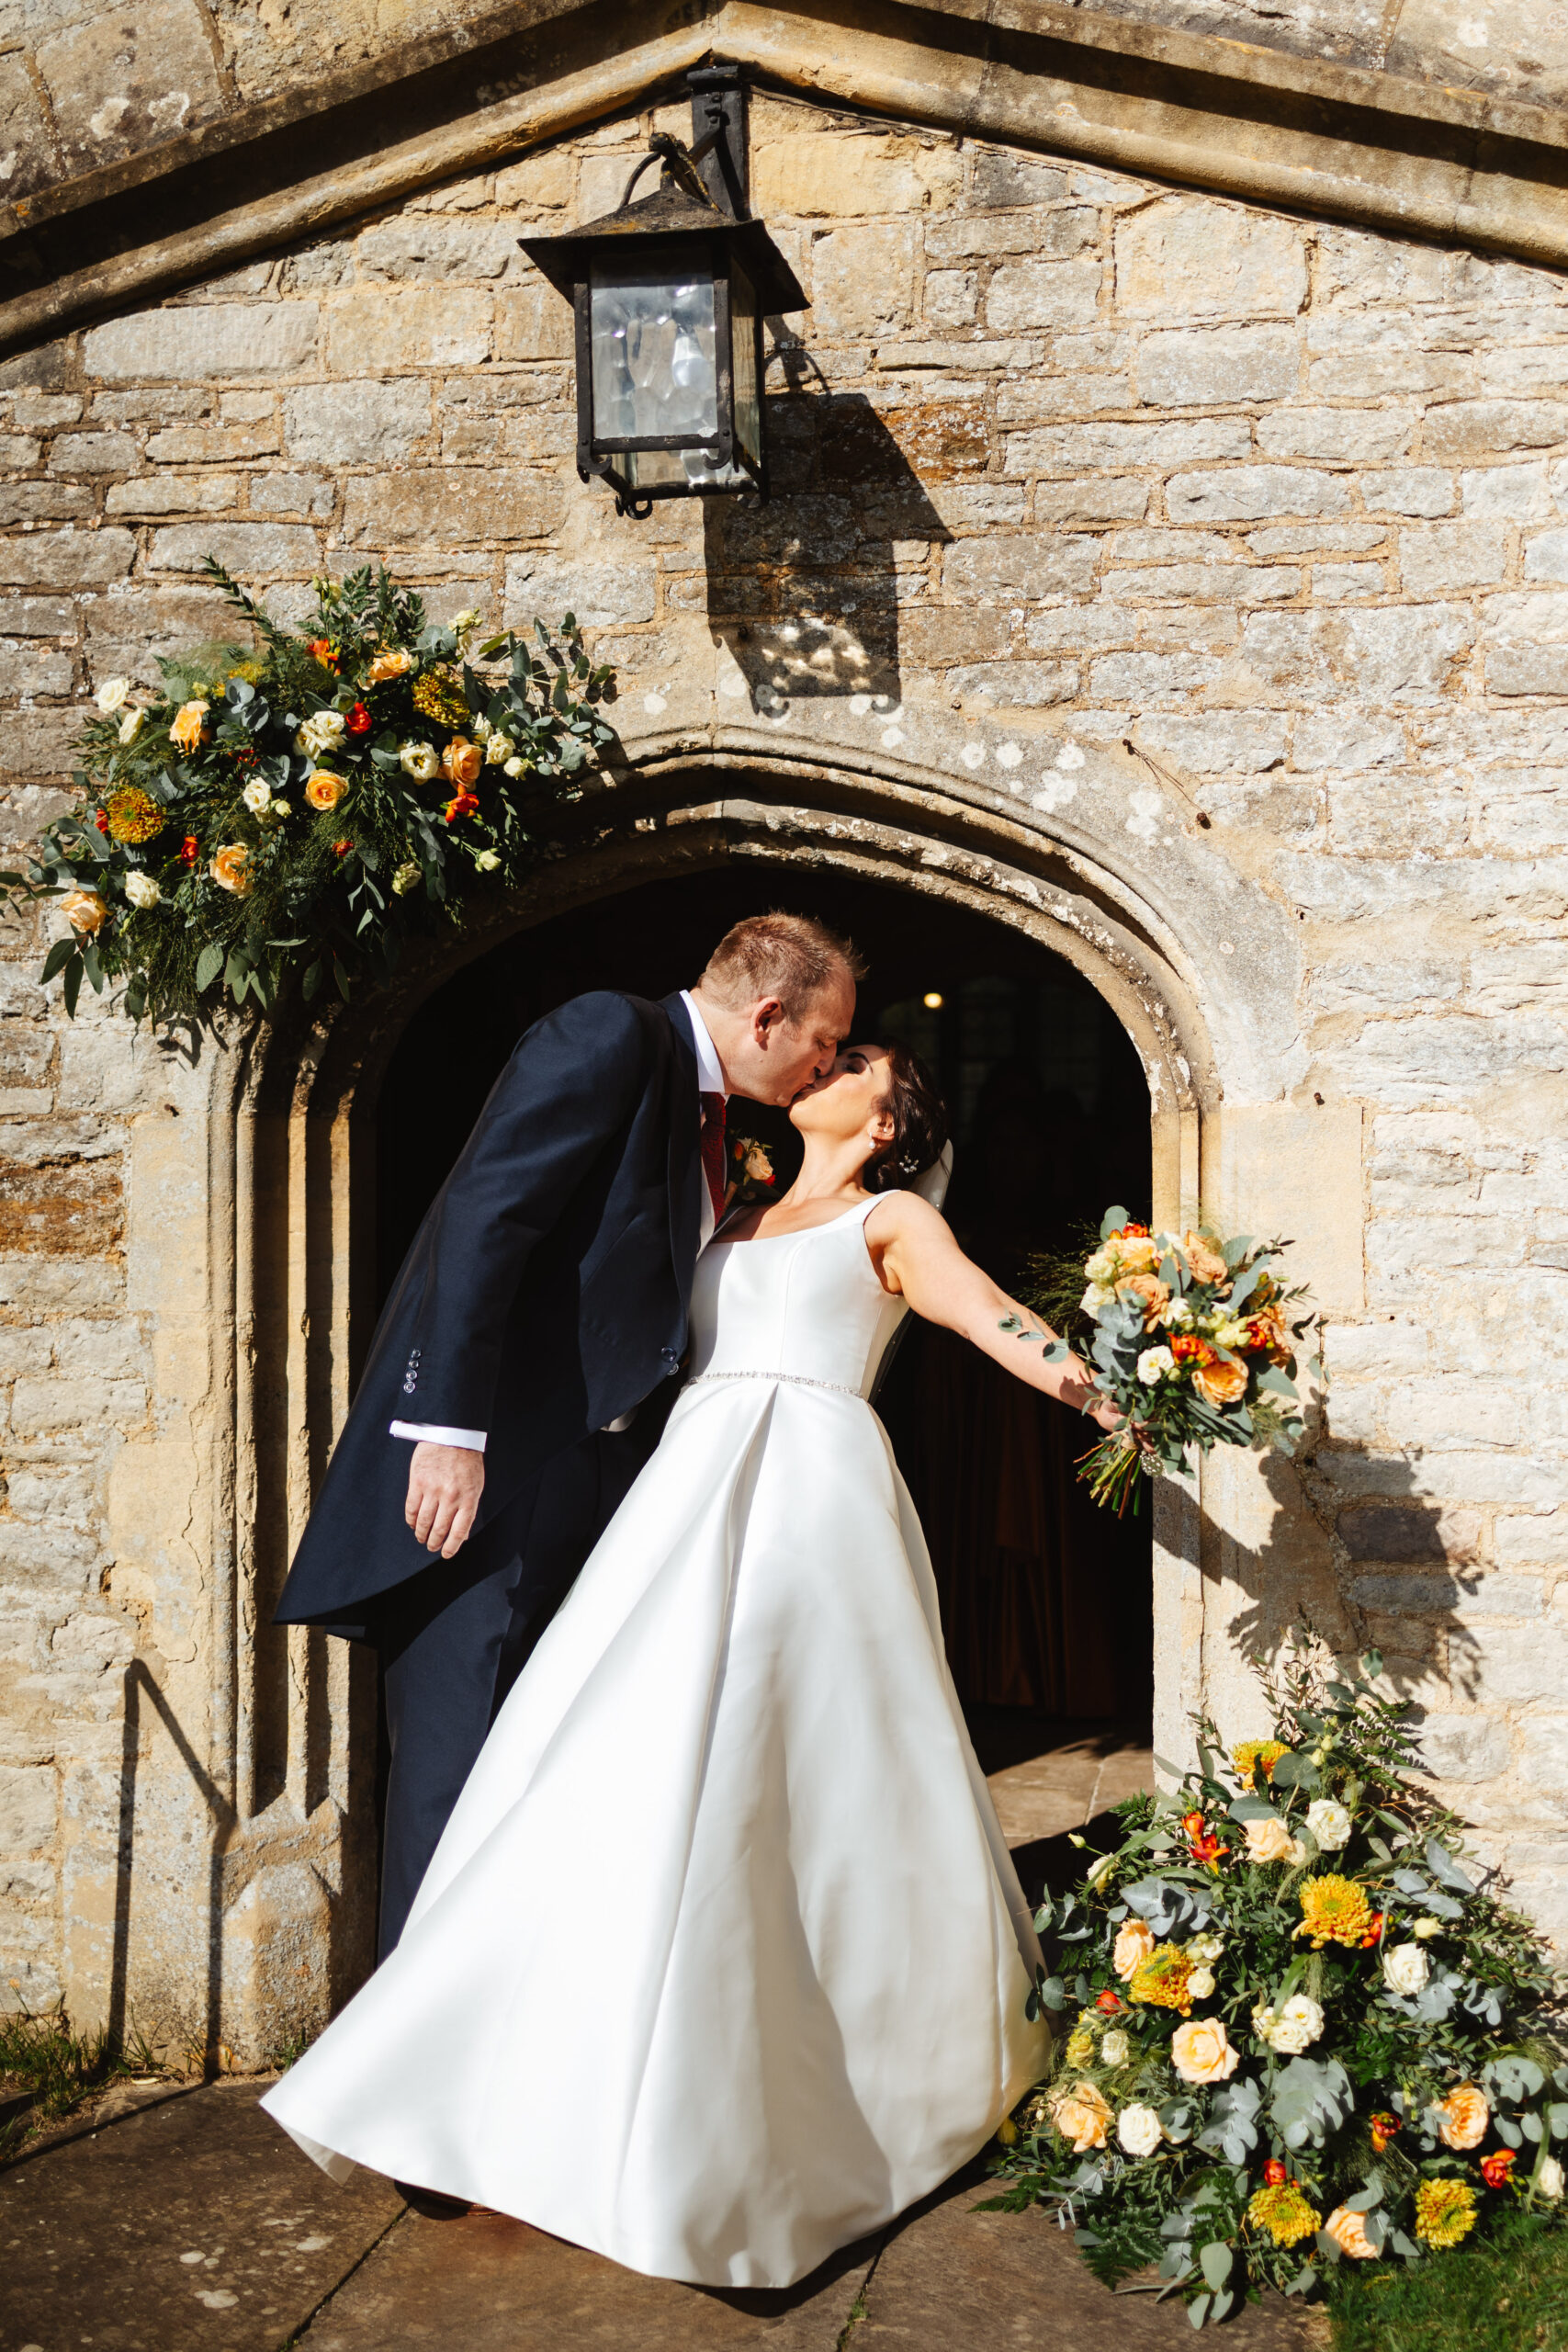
x,y
795,1379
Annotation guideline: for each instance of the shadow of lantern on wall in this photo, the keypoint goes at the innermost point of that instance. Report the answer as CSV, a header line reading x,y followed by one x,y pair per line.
x,y
669,294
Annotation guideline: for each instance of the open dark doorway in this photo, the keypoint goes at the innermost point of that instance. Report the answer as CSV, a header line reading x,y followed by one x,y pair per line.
x,y
1047,1602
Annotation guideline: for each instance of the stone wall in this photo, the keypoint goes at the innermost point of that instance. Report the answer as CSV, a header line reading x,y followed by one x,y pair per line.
x,y
1065,462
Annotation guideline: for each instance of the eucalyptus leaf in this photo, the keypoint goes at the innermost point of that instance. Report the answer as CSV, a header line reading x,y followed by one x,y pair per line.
x,y
1215,2262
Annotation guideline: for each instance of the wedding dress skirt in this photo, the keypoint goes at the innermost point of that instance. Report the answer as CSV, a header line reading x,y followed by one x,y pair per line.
x,y
721,1960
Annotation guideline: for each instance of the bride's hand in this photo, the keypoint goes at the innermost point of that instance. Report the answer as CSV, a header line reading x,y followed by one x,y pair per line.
x,y
1109,1415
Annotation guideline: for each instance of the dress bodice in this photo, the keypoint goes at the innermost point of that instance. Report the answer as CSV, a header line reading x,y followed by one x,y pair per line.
x,y
804,1307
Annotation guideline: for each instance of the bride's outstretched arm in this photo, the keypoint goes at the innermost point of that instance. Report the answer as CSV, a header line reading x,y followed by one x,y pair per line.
x,y
914,1252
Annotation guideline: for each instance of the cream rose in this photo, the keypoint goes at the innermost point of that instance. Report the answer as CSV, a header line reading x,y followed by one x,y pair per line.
x,y
1139,2129
513,766
257,798
407,877
486,861
1133,1944
420,760
1152,1365
323,731
141,890
499,748
130,725
1548,2180
1405,1969
1271,1841
1205,1948
1080,2114
111,696
1290,2028
1329,1823
1200,2051
1115,2049
1349,2232
1462,2116
466,621
1201,1984
1427,1927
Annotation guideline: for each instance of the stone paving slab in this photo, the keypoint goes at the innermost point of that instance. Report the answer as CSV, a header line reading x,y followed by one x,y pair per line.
x,y
951,2279
193,2226
491,2285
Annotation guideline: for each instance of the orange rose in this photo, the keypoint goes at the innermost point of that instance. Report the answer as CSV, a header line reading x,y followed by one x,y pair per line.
x,y
1156,1297
1221,1384
189,728
1133,1944
1207,1264
1080,2114
461,762
1349,2232
1200,2051
390,662
84,912
324,790
230,868
1462,2116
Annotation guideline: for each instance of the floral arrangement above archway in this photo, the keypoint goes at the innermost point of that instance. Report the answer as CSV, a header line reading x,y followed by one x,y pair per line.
x,y
294,812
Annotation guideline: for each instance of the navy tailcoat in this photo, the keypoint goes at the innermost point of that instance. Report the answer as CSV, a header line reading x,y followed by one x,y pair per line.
x,y
545,1295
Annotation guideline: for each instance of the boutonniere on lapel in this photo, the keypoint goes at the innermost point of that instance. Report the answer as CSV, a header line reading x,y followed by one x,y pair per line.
x,y
751,1177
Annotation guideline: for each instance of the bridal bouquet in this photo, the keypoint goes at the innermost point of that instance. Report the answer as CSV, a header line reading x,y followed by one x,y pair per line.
x,y
1303,2031
1192,1341
298,809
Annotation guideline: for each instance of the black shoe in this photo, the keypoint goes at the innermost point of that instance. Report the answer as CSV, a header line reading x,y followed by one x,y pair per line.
x,y
432,2203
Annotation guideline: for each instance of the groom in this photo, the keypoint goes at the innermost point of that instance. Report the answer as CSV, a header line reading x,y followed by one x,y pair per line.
x,y
496,1430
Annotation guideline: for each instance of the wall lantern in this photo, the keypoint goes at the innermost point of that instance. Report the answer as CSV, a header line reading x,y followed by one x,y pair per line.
x,y
669,294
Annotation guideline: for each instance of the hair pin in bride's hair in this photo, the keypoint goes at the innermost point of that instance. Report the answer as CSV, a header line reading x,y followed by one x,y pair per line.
x,y
909,1166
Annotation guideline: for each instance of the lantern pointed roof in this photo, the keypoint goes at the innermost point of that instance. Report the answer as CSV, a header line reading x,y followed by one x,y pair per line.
x,y
670,212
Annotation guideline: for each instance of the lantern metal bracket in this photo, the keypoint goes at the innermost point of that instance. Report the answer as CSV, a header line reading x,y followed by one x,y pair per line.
x,y
713,168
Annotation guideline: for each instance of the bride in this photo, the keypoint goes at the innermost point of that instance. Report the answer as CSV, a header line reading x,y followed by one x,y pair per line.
x,y
721,1961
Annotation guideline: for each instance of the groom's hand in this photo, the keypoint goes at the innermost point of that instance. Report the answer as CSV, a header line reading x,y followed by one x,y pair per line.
x,y
445,1486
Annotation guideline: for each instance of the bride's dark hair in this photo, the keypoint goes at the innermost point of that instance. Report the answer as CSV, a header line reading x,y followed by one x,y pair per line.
x,y
919,1123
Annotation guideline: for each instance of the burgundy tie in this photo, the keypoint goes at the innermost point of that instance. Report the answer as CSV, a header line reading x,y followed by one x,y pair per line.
x,y
713,1149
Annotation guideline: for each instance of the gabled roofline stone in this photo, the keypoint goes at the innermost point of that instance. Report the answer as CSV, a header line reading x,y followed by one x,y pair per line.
x,y
1337,141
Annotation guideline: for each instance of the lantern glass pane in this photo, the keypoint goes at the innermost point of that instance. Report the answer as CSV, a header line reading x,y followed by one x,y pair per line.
x,y
651,332
743,349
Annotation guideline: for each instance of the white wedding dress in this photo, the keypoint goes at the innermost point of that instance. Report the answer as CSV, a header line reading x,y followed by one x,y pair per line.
x,y
721,1960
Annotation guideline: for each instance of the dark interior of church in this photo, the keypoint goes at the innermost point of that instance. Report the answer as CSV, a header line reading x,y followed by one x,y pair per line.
x,y
1046,1600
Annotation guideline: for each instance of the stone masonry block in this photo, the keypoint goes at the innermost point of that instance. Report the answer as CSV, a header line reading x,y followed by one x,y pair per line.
x,y
1202,367
1238,583
599,593
428,248
1003,180
1516,1663
1351,437
1443,1596
128,79
1189,257
1521,492
1017,570
533,322
1543,1752
1408,489
1463,1747
1546,556
25,159
951,297
1445,556
210,340
291,494
380,329
1085,449
155,494
862,280
450,506
1249,493
817,174
92,453
1525,1539
29,1809
1122,498
366,424
1042,294
70,560
248,547
1466,431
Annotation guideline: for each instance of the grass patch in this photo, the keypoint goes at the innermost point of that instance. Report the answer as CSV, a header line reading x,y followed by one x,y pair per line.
x,y
1509,2295
44,2055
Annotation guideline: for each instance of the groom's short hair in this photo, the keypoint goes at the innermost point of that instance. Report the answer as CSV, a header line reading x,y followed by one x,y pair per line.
x,y
789,957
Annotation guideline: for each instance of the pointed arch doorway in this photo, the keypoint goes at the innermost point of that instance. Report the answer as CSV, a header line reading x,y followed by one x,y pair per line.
x,y
1048,1604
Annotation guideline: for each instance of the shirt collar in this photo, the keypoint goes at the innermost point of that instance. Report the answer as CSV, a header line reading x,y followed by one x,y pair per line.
x,y
710,1070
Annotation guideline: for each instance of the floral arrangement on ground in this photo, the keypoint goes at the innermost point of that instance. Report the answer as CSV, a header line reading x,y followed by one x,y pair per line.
x,y
1305,2029
296,810
1194,1340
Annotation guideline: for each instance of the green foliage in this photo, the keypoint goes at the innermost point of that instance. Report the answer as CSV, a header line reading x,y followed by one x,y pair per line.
x,y
1290,1961
41,2052
288,814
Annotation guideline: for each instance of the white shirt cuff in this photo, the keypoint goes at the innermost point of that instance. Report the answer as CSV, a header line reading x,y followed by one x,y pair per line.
x,y
425,1432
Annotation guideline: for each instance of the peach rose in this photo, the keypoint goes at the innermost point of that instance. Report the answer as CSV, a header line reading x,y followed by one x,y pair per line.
x,y
1081,2115
390,662
190,729
1271,1841
1349,2232
324,790
230,868
1133,1944
1139,1253
1207,1264
1221,1384
1200,2051
84,912
461,762
1156,1297
1462,2116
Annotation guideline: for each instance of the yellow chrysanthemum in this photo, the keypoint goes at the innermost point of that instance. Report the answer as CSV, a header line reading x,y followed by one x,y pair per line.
x,y
1080,2048
1163,1980
1284,2212
439,696
1253,1752
134,815
1445,2211
1334,1910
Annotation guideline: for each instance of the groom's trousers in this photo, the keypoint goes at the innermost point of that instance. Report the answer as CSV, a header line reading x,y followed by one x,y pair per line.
x,y
453,1639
